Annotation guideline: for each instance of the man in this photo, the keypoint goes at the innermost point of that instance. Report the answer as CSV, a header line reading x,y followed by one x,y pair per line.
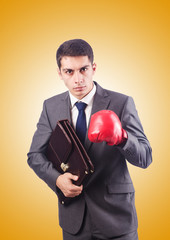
x,y
104,208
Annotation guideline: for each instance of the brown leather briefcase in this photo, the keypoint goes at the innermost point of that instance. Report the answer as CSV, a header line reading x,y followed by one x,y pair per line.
x,y
67,154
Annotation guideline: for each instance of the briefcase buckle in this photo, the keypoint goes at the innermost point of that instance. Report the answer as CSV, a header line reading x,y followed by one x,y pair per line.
x,y
64,167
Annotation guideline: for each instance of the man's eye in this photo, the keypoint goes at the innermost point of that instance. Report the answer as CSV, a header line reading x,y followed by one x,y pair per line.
x,y
68,71
83,69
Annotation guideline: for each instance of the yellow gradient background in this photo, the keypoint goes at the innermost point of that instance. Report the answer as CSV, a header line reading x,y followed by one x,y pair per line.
x,y
131,40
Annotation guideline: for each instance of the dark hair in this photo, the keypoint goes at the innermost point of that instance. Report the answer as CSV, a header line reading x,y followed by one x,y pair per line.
x,y
74,47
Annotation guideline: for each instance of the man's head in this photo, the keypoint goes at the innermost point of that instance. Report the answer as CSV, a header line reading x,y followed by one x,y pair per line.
x,y
74,48
76,67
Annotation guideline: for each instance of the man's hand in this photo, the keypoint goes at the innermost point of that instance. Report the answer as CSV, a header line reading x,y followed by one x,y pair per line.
x,y
106,126
65,184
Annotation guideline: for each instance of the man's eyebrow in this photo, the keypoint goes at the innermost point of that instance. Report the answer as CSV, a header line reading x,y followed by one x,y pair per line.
x,y
85,66
69,69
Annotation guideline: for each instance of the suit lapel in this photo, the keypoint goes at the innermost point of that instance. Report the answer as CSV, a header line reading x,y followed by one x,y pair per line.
x,y
101,102
65,107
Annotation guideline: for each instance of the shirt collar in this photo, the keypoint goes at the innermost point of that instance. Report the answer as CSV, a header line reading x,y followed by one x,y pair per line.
x,y
87,99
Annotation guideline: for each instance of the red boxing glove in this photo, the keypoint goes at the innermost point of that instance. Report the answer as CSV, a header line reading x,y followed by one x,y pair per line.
x,y
106,126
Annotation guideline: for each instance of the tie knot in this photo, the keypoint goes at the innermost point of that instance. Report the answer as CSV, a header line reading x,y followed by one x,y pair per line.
x,y
81,105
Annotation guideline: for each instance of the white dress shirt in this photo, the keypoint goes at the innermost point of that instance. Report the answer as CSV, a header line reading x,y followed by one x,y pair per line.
x,y
88,99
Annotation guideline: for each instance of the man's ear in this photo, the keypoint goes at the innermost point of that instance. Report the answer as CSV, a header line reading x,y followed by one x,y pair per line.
x,y
94,67
59,73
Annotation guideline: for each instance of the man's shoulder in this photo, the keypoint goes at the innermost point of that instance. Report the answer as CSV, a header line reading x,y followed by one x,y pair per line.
x,y
112,94
116,94
56,98
118,100
109,92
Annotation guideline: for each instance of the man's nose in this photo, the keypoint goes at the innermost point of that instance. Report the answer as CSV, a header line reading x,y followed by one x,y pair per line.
x,y
78,77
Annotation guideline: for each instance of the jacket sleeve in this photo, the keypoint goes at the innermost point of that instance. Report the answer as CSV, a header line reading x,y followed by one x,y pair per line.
x,y
137,149
36,156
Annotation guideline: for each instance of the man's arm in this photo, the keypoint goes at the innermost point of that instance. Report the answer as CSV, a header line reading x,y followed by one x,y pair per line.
x,y
38,161
36,157
137,149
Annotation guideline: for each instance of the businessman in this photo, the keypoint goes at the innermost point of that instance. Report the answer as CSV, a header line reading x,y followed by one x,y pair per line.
x,y
108,125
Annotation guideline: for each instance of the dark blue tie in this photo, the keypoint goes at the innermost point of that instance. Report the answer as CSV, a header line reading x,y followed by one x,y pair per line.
x,y
81,127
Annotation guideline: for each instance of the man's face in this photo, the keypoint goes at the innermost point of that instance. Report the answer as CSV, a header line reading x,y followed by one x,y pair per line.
x,y
77,73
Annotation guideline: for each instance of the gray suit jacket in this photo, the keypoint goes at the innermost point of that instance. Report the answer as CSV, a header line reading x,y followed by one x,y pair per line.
x,y
109,194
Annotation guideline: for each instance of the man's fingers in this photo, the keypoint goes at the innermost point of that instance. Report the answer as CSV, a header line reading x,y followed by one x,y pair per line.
x,y
72,177
69,189
72,190
75,188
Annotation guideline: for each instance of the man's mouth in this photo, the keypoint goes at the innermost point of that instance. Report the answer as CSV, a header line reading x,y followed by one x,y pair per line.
x,y
79,88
